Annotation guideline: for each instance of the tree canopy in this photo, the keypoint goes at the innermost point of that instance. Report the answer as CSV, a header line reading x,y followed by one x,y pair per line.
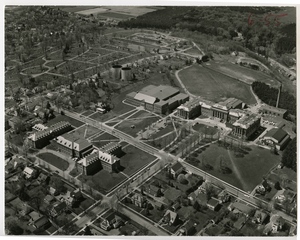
x,y
289,156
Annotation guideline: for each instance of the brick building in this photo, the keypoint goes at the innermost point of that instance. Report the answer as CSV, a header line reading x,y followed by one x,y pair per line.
x,y
246,126
73,145
44,134
189,110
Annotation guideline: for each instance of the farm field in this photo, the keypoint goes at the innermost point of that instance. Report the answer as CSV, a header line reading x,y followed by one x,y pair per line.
x,y
251,167
54,160
245,74
214,86
134,159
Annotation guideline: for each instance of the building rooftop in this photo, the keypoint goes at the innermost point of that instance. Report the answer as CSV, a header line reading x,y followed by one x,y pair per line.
x,y
178,97
236,113
176,166
273,109
276,133
206,104
246,121
144,97
231,102
162,92
73,142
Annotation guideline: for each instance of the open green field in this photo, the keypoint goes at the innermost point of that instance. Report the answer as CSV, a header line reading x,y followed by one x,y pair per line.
x,y
114,15
245,74
86,131
54,160
103,181
140,120
205,129
247,171
134,159
60,117
214,86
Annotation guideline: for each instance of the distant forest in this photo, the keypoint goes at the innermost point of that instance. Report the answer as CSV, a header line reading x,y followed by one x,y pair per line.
x,y
261,27
269,96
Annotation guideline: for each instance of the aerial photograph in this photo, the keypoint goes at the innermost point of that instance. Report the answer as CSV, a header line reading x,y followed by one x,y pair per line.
x,y
150,120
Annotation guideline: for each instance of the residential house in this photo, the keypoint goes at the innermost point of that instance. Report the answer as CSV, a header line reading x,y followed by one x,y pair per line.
x,y
259,217
57,208
153,190
49,199
224,197
25,210
109,218
276,223
213,204
198,196
34,216
42,221
176,169
42,178
68,199
76,194
29,173
176,206
188,229
240,222
52,191
170,217
138,200
240,207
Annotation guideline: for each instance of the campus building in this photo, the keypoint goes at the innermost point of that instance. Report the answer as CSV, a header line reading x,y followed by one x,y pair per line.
x,y
44,134
246,126
100,159
221,109
159,99
276,137
273,111
73,145
189,110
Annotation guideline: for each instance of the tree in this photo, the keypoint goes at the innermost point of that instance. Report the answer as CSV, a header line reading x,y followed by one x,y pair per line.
x,y
289,156
58,184
181,179
277,186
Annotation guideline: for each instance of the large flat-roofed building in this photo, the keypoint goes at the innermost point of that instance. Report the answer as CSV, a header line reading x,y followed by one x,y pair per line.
x,y
100,159
276,137
221,109
246,125
235,114
44,134
273,111
206,108
159,99
189,110
73,145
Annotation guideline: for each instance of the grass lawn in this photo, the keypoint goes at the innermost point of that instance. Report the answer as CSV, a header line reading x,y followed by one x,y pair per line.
x,y
58,118
134,159
251,167
205,129
103,117
54,160
86,131
88,112
214,86
103,181
141,120
193,51
246,74
103,139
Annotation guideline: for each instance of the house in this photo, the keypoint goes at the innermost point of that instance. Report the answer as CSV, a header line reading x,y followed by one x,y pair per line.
x,y
204,186
29,172
57,208
198,196
52,191
42,221
276,223
266,185
213,204
153,190
188,229
76,194
224,197
138,200
68,199
239,207
176,169
42,178
25,210
175,206
34,216
170,217
49,199
239,223
259,217
109,218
